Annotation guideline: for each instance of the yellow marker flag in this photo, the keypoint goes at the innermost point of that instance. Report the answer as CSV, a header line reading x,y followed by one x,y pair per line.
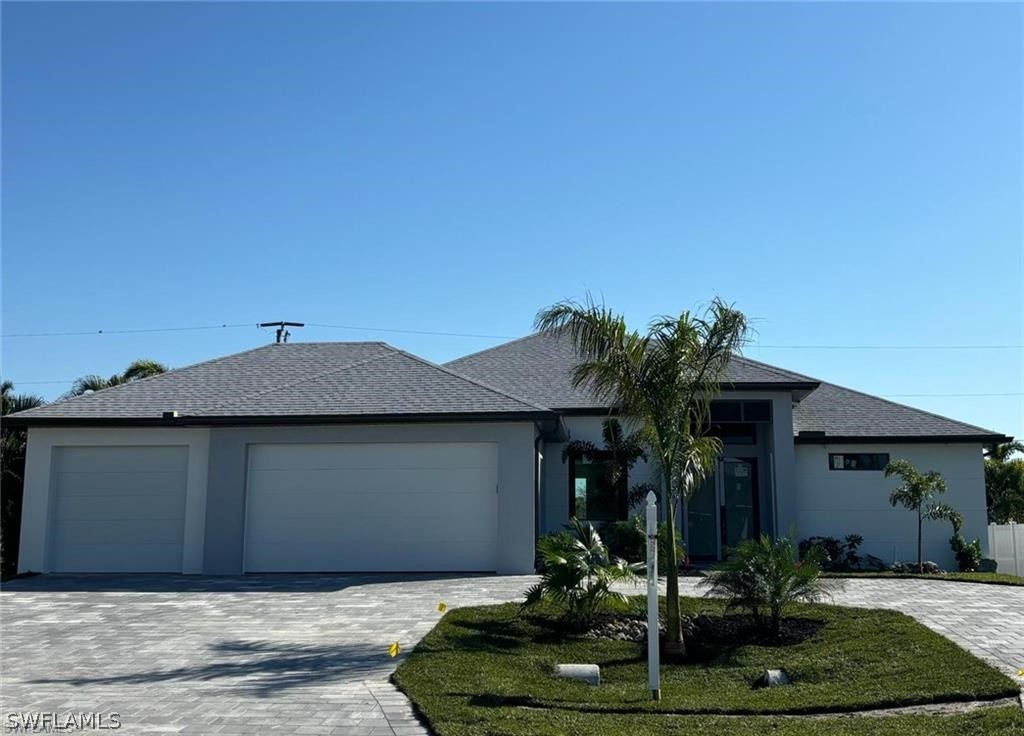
x,y
1020,673
394,649
442,607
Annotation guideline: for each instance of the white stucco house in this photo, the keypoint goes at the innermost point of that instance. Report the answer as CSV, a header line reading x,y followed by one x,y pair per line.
x,y
356,456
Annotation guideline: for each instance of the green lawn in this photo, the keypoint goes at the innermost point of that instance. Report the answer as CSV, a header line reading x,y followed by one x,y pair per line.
x,y
989,578
486,670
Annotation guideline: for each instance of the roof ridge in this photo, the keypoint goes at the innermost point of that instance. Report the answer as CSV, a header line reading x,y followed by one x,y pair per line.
x,y
907,406
138,381
256,395
495,347
473,381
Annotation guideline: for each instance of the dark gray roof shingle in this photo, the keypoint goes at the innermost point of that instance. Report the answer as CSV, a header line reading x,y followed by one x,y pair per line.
x,y
294,379
844,413
539,367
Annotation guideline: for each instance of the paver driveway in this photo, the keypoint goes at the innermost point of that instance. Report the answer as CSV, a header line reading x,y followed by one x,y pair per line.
x,y
306,654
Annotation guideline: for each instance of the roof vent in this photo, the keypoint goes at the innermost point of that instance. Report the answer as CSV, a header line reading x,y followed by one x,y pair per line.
x,y
170,415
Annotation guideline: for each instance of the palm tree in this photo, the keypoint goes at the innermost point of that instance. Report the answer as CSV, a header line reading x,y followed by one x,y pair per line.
x,y
1001,453
12,468
138,369
662,381
13,402
918,493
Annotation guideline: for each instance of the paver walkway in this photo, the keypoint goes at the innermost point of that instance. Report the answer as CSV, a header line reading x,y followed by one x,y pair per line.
x,y
306,654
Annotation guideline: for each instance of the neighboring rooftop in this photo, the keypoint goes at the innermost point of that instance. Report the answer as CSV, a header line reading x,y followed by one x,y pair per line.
x,y
539,367
336,379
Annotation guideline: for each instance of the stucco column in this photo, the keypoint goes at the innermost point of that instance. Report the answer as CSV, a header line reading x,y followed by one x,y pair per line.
x,y
784,462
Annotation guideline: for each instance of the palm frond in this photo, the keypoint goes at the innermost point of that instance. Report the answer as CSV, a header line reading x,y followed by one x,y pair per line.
x,y
143,368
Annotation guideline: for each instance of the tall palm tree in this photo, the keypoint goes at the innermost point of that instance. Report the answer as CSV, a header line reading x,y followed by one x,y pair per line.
x,y
662,381
12,469
138,369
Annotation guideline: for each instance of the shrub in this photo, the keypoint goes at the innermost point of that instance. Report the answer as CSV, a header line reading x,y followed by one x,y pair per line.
x,y
968,554
836,555
628,540
764,576
577,573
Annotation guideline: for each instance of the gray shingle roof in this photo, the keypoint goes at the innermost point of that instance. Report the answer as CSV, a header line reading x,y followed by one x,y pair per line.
x,y
844,413
540,366
294,379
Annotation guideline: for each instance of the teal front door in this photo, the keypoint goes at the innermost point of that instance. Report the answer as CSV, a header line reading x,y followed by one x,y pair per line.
x,y
739,513
724,511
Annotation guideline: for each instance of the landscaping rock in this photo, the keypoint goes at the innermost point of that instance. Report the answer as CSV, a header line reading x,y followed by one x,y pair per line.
x,y
621,628
773,678
589,673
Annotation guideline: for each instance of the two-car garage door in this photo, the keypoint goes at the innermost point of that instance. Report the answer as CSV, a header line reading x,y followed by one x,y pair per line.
x,y
371,507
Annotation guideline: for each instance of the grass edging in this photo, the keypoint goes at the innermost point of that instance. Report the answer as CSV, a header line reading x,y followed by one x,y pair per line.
x,y
484,670
976,578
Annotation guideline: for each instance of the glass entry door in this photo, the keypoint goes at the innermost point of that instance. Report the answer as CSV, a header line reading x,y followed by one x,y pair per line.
x,y
724,510
738,515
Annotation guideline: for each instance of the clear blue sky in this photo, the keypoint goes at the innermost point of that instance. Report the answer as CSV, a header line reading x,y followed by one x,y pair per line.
x,y
846,173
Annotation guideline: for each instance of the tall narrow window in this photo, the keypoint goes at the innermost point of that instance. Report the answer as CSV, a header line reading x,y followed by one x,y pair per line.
x,y
592,496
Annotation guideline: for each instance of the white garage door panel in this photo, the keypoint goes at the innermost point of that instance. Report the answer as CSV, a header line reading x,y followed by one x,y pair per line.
x,y
371,480
116,558
116,506
372,455
118,509
372,507
378,503
132,484
125,532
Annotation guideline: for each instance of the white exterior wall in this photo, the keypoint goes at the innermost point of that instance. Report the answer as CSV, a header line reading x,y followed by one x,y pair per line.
x,y
37,504
836,503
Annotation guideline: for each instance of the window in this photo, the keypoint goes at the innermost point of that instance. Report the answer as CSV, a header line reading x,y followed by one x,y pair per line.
x,y
858,461
591,496
736,433
741,411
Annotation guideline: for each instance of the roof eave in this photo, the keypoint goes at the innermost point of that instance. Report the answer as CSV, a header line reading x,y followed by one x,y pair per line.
x,y
283,419
903,439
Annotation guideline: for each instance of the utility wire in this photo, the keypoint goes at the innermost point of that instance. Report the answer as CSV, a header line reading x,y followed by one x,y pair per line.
x,y
890,347
411,332
362,328
128,332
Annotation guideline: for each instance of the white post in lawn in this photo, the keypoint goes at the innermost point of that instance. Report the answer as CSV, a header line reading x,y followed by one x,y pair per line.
x,y
653,665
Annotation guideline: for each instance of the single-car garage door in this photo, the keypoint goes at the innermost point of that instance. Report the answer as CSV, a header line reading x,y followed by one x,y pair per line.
x,y
371,507
118,509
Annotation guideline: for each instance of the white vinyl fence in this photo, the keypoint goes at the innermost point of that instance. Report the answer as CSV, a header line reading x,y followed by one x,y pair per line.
x,y
1006,547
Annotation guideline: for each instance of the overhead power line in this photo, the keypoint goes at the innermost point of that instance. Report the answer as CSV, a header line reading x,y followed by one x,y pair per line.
x,y
487,336
413,332
890,347
892,396
128,332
